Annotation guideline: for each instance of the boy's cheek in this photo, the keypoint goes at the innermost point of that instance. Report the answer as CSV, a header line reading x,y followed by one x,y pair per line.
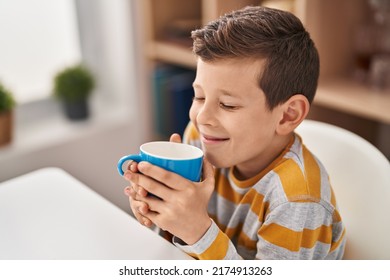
x,y
193,113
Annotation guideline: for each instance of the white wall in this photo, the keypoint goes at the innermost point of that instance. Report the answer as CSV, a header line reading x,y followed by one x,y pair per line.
x,y
89,150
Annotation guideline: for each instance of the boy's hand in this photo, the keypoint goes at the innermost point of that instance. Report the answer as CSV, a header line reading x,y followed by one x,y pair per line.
x,y
182,209
139,208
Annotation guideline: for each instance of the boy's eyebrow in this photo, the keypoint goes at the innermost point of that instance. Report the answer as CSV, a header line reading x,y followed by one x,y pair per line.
x,y
223,91
227,93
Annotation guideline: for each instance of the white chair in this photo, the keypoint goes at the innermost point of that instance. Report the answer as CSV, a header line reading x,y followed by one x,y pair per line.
x,y
360,177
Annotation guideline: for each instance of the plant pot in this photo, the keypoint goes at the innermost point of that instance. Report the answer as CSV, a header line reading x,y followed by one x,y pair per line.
x,y
6,121
76,110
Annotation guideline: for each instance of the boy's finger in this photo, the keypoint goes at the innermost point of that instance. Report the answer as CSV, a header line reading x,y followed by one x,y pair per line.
x,y
134,208
138,208
208,169
135,189
146,222
141,191
127,191
175,138
132,166
156,176
130,192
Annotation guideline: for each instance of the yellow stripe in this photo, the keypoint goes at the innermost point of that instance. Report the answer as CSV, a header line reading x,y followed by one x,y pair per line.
x,y
256,201
295,185
336,216
223,188
195,256
252,197
336,244
242,238
245,241
292,180
218,249
220,225
258,206
313,173
232,232
294,240
322,234
191,133
332,197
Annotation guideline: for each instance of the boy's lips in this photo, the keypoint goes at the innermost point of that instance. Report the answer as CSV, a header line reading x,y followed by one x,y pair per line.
x,y
209,139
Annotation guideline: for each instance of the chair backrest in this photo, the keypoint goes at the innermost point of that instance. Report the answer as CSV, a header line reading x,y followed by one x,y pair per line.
x,y
360,177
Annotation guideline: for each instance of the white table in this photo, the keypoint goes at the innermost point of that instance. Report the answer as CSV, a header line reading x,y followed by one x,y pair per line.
x,y
47,214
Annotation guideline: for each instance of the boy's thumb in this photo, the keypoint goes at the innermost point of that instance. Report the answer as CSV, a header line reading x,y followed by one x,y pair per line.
x,y
175,138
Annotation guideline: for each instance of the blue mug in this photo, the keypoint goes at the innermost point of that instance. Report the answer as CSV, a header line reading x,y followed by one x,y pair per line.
x,y
183,159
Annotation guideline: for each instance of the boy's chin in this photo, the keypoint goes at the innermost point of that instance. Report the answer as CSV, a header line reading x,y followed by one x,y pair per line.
x,y
215,162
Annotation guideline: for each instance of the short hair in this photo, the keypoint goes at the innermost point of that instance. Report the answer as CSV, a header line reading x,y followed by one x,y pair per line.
x,y
291,58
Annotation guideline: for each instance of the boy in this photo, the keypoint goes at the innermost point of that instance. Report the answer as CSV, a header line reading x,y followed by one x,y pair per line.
x,y
263,194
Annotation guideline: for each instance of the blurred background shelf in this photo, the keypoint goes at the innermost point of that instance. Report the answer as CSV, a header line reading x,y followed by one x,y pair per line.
x,y
351,97
172,53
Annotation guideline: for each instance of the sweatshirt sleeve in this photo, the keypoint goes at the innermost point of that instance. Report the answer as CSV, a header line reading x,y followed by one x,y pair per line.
x,y
214,245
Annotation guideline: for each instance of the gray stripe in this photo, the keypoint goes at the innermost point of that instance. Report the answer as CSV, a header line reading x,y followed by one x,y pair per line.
x,y
266,250
297,216
202,245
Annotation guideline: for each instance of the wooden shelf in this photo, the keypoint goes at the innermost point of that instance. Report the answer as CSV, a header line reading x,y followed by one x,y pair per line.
x,y
172,53
351,97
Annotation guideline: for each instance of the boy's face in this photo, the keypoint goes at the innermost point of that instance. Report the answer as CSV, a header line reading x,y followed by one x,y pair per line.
x,y
230,113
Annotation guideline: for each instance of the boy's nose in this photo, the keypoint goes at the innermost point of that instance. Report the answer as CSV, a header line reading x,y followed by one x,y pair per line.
x,y
206,115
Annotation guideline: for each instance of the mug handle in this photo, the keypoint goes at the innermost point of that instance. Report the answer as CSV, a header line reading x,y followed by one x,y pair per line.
x,y
136,158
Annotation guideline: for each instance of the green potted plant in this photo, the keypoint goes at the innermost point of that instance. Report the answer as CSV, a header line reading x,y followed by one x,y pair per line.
x,y
7,104
73,86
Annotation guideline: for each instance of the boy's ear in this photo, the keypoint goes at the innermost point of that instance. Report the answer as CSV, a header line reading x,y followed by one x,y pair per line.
x,y
294,111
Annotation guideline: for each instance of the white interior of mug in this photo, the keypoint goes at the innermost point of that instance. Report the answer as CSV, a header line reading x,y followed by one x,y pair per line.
x,y
171,150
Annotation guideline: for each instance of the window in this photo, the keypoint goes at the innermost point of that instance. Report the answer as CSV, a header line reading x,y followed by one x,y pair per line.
x,y
38,38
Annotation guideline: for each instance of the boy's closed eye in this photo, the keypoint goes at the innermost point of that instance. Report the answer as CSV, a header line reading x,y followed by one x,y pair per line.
x,y
223,105
196,98
228,107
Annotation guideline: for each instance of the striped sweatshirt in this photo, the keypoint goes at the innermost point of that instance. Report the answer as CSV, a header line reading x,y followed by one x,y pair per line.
x,y
287,211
